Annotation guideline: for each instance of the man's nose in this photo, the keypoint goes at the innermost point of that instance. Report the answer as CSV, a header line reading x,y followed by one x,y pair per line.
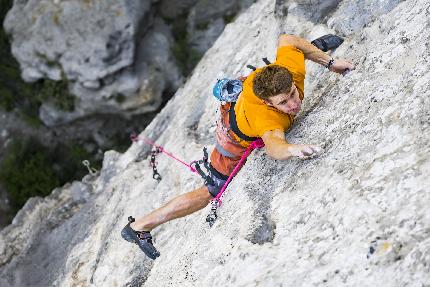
x,y
295,105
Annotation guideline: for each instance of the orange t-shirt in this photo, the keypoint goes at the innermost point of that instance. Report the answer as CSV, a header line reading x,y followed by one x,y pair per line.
x,y
253,116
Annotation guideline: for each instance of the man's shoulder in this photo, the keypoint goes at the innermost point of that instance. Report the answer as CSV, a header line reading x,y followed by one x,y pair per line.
x,y
291,58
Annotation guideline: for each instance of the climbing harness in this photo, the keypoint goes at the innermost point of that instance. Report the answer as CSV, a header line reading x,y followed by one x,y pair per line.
x,y
217,201
196,165
91,170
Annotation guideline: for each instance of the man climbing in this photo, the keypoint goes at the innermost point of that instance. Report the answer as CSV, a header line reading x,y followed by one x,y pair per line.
x,y
270,99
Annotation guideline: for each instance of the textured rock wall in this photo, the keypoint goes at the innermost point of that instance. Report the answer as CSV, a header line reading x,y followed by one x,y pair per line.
x,y
355,216
115,56
93,45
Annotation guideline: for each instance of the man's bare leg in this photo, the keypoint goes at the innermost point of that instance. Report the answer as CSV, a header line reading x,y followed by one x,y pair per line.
x,y
180,206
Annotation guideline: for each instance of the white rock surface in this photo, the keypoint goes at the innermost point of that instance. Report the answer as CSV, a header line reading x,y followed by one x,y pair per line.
x,y
355,216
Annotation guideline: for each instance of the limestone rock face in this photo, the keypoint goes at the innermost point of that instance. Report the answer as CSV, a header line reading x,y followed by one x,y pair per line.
x,y
116,56
357,215
365,12
173,9
94,46
207,18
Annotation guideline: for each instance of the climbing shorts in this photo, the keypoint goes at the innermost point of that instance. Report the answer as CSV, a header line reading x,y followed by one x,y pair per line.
x,y
218,181
228,150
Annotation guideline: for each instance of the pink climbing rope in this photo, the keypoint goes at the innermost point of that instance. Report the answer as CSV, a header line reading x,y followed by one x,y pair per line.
x,y
135,138
255,144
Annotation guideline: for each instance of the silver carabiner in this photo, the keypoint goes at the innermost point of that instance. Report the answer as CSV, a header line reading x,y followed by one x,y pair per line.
x,y
91,170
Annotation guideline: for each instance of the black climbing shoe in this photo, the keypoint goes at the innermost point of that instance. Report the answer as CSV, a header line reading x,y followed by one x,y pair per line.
x,y
142,238
327,42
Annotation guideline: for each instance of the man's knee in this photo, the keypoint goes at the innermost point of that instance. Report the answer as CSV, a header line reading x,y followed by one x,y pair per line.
x,y
204,191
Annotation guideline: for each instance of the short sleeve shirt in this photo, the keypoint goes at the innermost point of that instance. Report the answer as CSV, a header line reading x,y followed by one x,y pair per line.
x,y
253,116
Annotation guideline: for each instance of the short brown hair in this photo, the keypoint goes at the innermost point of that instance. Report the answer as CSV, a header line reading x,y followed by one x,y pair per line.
x,y
271,81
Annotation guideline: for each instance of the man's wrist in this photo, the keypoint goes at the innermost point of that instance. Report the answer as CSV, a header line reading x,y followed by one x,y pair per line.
x,y
330,63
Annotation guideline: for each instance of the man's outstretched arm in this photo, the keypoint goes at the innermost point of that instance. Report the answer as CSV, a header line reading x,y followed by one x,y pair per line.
x,y
314,54
278,148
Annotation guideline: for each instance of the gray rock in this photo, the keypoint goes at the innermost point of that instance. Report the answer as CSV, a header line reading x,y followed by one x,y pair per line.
x,y
206,10
364,11
357,215
173,9
87,40
207,19
115,55
202,40
4,133
5,209
315,11
94,45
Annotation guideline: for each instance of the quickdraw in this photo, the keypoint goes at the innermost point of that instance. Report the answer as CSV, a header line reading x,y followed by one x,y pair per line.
x,y
194,166
153,163
212,216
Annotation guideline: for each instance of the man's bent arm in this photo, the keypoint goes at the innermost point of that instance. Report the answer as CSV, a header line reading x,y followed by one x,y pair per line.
x,y
313,53
278,148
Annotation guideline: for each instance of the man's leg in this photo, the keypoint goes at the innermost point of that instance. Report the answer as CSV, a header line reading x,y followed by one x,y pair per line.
x,y
180,206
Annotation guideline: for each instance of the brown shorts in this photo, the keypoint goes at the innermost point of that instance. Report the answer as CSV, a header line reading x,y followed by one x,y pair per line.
x,y
228,150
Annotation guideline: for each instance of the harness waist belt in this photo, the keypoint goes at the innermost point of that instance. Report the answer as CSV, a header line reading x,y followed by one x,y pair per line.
x,y
217,173
223,151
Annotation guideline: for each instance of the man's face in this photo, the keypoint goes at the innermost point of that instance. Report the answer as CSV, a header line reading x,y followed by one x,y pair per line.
x,y
288,103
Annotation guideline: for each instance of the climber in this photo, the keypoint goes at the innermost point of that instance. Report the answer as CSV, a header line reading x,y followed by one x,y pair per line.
x,y
270,99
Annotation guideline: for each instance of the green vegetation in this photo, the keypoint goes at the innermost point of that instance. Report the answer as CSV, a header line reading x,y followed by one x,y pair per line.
x,y
26,98
30,169
69,159
186,57
6,99
13,92
57,92
168,20
202,26
229,18
119,98
26,172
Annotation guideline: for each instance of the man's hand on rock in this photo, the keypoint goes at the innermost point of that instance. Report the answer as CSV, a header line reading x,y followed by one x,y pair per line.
x,y
341,66
304,151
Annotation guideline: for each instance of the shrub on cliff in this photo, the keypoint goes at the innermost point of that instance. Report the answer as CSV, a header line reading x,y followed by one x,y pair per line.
x,y
29,169
26,171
